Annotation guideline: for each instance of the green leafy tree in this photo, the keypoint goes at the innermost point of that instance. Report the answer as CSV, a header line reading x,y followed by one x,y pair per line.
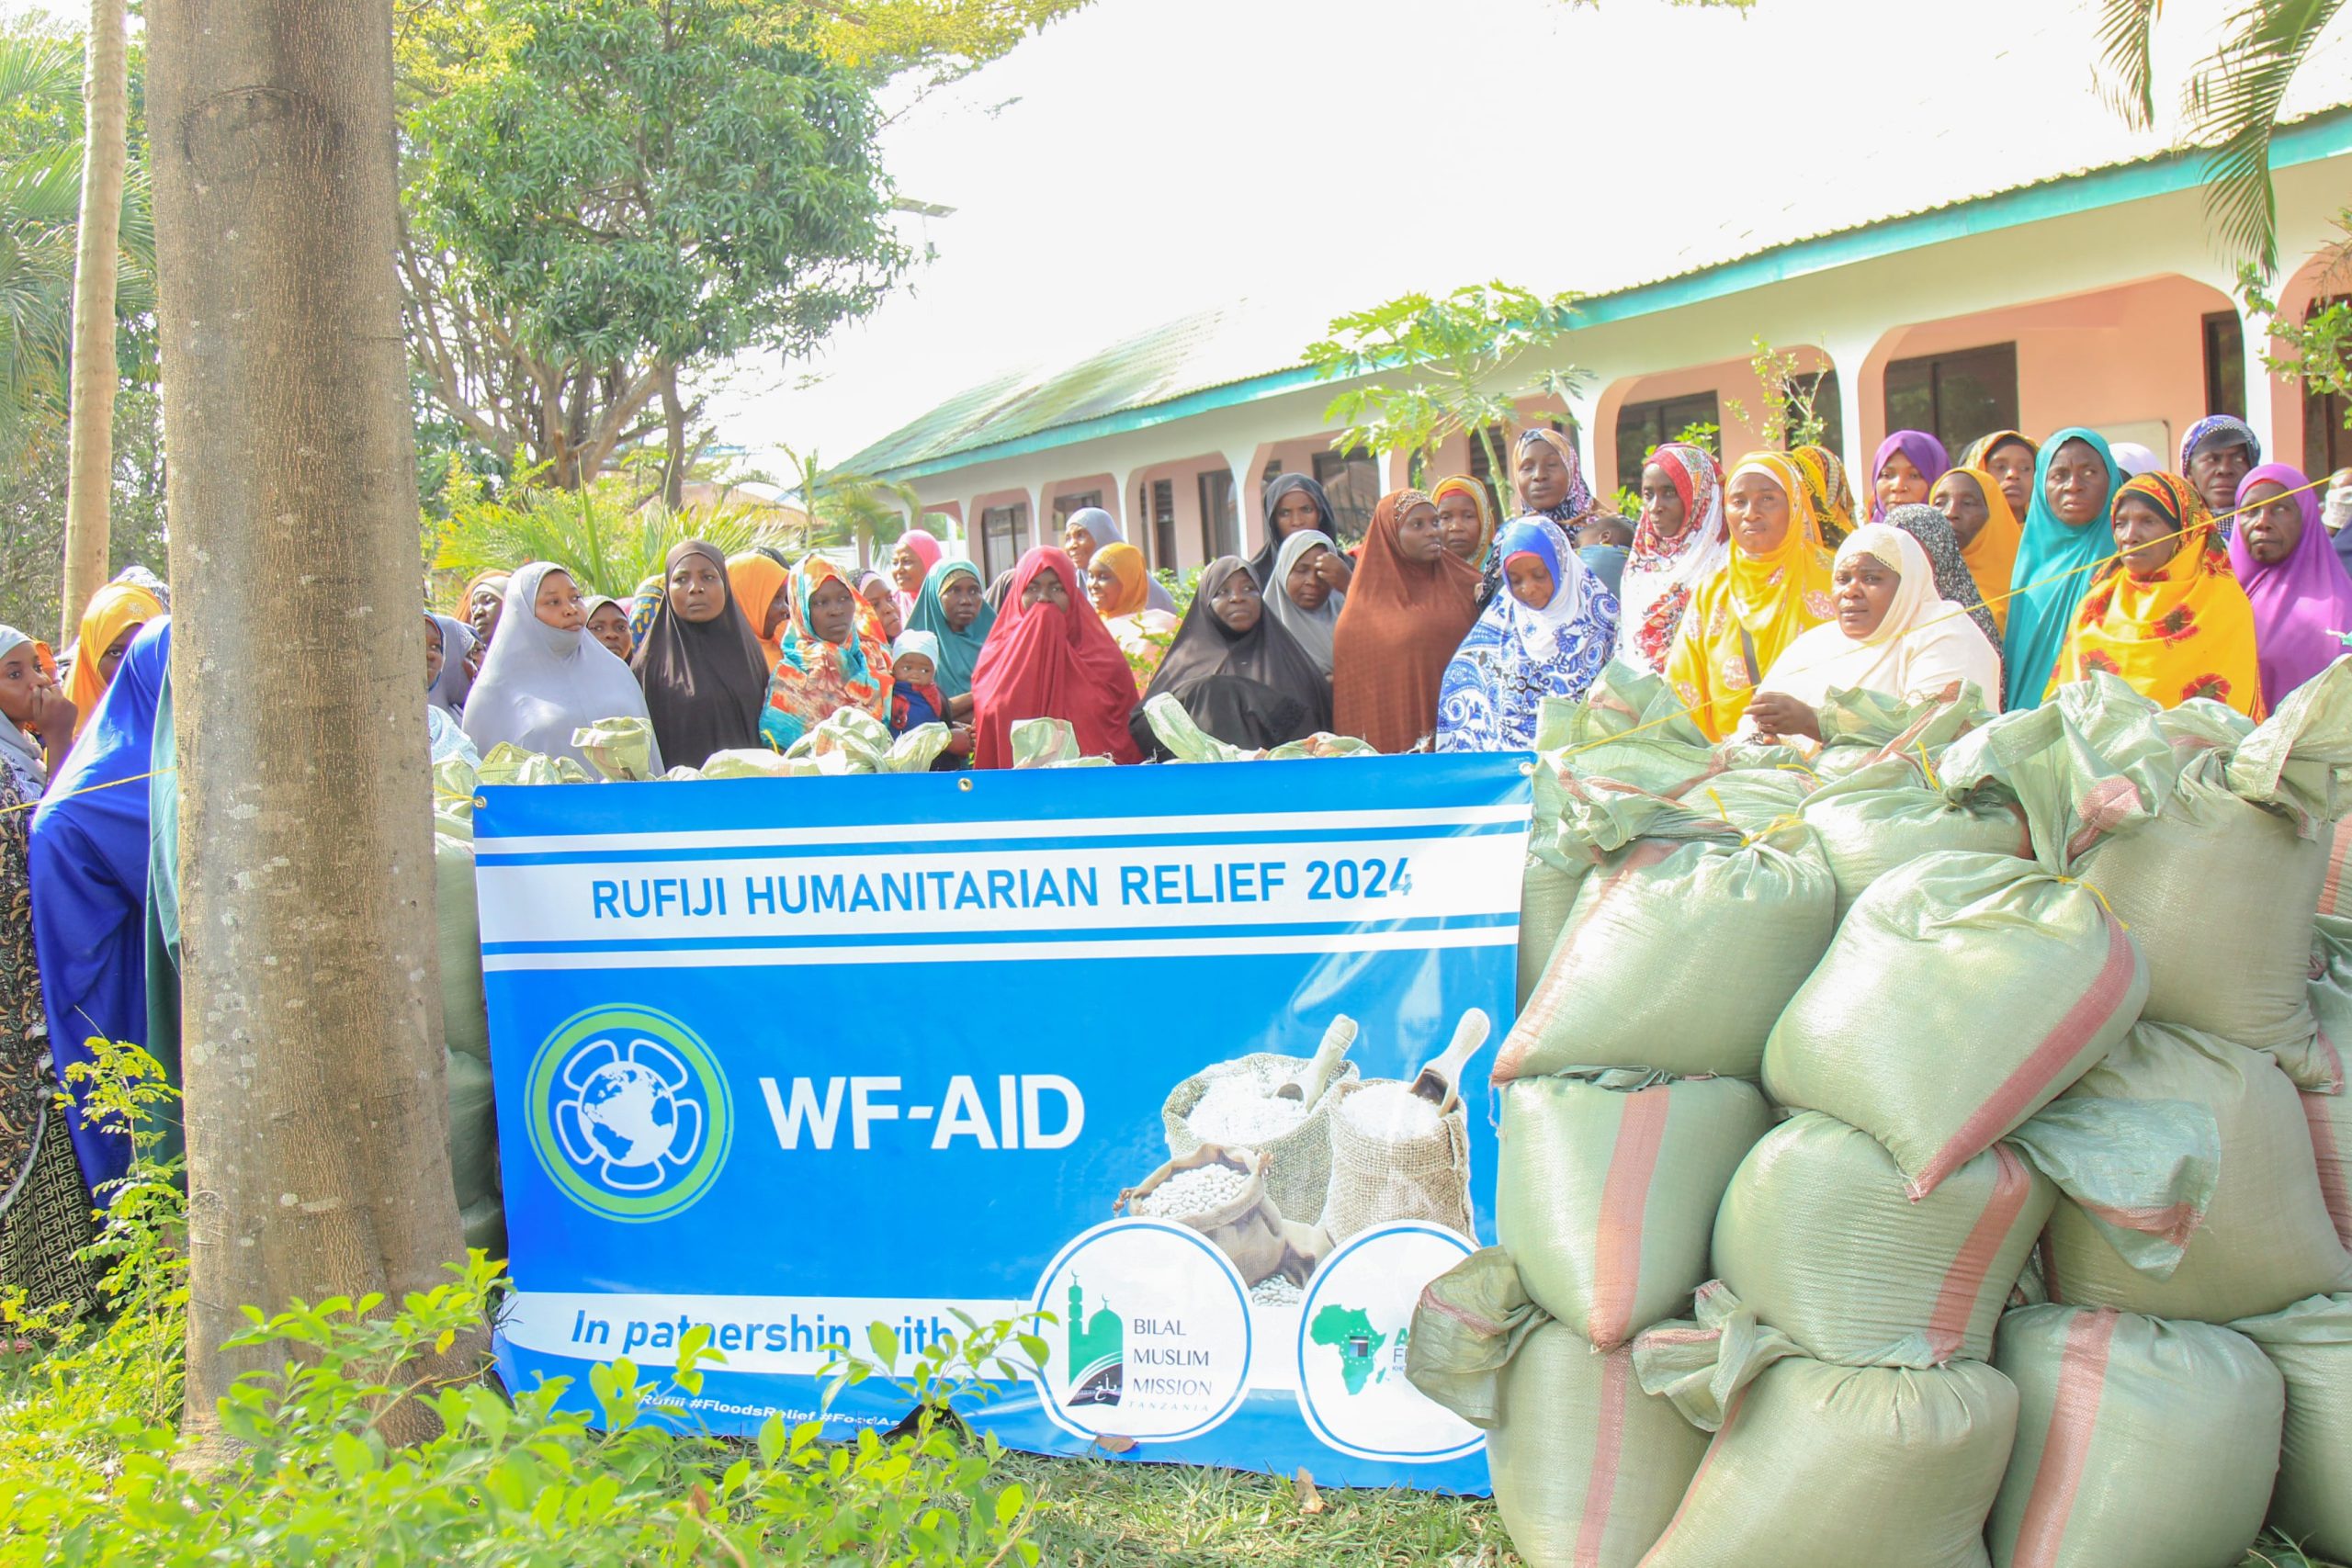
x,y
2316,347
1432,369
608,534
607,196
844,507
2230,99
1791,418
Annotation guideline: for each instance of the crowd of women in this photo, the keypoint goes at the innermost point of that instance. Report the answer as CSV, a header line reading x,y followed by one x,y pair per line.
x,y
1755,592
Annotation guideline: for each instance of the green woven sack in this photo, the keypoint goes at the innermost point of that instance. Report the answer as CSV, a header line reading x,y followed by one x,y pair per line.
x,y
2329,1118
2264,1239
1818,1237
1587,1467
1606,1187
1861,728
2106,1471
1963,991
2218,889
1821,1466
464,1024
1546,894
2310,1344
1621,989
1886,814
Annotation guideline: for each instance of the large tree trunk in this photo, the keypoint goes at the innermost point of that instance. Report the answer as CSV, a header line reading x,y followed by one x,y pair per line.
x,y
106,92
312,1039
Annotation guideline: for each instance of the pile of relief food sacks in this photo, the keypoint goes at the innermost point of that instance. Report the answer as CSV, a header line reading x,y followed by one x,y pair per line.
x,y
1930,1152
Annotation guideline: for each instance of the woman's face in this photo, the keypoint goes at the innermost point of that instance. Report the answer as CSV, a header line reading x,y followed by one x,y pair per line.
x,y
557,603
1101,588
2144,537
1418,539
2011,465
1458,525
1961,501
609,626
1543,477
2272,524
698,590
1079,544
1529,579
1757,510
961,600
1237,603
1304,585
482,611
1045,588
1864,589
906,567
2215,474
1294,512
1662,507
22,681
886,612
2076,485
1900,483
832,609
778,608
433,653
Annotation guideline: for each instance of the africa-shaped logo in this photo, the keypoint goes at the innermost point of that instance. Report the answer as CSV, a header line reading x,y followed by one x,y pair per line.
x,y
630,1113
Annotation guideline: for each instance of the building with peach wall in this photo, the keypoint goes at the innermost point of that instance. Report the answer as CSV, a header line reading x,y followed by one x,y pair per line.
x,y
2096,299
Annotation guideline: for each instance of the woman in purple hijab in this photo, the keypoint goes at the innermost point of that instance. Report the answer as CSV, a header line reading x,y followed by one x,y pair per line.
x,y
1908,464
2300,591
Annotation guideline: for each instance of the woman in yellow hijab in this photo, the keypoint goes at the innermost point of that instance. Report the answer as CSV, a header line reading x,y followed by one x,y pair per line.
x,y
2166,612
1833,501
1775,588
1977,508
113,618
1464,524
759,586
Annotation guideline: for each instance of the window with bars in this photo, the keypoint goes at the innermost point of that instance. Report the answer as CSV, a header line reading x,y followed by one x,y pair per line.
x,y
1352,480
2224,364
1641,428
1220,518
1954,397
1003,529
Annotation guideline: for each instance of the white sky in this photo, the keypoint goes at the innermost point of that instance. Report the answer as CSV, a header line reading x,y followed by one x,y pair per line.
x,y
1146,158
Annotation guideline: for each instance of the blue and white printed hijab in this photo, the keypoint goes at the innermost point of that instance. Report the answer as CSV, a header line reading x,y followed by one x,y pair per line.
x,y
1515,656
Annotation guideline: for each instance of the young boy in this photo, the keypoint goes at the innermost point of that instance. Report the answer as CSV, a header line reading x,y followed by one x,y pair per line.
x,y
915,697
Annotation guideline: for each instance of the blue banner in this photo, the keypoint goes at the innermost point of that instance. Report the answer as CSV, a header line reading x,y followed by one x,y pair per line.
x,y
1141,1048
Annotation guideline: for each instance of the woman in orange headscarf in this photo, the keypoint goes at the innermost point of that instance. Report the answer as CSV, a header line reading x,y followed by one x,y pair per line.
x,y
2165,612
759,585
1775,587
116,613
1465,522
1977,508
1409,608
1119,584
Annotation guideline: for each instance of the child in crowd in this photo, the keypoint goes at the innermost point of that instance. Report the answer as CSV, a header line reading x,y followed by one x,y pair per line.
x,y
1602,541
915,697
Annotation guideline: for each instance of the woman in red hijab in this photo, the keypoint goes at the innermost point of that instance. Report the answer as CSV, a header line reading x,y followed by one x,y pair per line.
x,y
1410,605
1050,656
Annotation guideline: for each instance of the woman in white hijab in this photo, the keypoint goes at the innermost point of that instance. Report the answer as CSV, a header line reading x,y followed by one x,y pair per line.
x,y
1309,623
1891,634
545,676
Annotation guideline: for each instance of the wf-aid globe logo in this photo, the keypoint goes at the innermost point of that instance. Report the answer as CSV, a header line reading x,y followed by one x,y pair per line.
x,y
630,1113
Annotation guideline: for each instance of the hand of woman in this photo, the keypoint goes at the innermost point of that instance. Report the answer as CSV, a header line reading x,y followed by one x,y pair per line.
x,y
959,707
959,739
1777,714
1335,570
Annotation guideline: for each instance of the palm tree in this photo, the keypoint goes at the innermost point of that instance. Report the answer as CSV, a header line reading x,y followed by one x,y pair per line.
x,y
846,507
40,206
2232,101
105,158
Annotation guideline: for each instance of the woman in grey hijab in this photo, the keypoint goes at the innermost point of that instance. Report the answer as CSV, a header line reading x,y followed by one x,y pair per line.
x,y
453,681
1089,529
1310,627
545,676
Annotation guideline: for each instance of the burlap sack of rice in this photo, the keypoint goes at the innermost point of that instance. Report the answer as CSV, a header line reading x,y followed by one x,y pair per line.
x,y
1298,1148
1221,1193
1395,1156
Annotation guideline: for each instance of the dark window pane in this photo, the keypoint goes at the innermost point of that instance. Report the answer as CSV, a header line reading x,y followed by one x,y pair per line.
x,y
1001,530
1643,427
1220,526
1955,397
1163,523
1352,480
2224,364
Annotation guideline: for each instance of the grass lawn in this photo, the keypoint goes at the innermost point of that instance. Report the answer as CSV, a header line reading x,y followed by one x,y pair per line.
x,y
1100,1514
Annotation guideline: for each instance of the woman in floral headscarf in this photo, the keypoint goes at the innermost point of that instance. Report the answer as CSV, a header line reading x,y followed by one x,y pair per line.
x,y
1548,478
1775,587
1678,544
1833,501
1465,522
825,665
2165,614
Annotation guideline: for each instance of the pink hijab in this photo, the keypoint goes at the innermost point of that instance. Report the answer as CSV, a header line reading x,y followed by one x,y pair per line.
x,y
927,549
2300,603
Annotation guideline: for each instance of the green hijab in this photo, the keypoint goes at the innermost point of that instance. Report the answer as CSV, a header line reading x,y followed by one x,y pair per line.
x,y
2042,611
958,652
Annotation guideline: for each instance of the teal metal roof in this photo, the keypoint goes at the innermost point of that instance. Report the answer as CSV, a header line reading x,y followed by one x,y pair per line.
x,y
1175,371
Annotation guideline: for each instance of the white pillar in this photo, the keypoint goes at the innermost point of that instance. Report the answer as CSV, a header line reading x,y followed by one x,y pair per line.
x,y
1245,522
1584,410
1846,356
2260,411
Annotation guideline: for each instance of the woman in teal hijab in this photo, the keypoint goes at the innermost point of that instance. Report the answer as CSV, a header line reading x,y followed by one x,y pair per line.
x,y
2066,533
954,607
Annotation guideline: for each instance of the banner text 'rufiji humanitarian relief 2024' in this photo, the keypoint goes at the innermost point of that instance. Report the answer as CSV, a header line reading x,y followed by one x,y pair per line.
x,y
1141,1049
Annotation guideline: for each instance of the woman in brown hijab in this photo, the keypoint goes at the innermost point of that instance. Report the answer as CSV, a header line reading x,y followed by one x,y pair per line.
x,y
705,676
1409,607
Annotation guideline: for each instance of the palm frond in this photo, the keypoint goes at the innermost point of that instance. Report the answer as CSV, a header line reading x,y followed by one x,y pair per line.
x,y
40,71
2126,57
43,190
2233,102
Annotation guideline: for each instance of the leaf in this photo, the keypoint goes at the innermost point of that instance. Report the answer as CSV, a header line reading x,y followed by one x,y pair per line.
x,y
1112,1443
1009,1504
